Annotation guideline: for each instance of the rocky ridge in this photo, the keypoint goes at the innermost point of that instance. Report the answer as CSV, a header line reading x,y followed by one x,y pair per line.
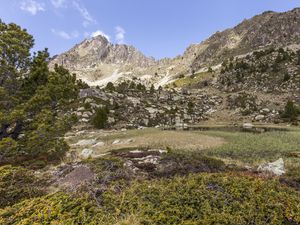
x,y
98,62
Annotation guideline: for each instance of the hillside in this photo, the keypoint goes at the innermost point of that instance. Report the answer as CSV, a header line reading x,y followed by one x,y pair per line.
x,y
97,61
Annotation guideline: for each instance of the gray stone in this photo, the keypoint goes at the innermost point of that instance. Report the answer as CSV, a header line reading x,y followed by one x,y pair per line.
x,y
276,168
248,125
86,153
86,142
259,117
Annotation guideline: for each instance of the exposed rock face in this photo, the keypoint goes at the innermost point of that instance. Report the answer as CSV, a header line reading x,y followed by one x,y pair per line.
x,y
96,58
98,62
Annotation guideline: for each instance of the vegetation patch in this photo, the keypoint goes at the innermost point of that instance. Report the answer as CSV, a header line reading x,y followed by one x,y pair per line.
x,y
17,184
193,199
190,80
255,148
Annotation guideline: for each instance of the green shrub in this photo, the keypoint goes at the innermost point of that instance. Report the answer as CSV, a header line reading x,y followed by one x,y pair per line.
x,y
286,77
17,184
291,111
195,199
110,87
100,118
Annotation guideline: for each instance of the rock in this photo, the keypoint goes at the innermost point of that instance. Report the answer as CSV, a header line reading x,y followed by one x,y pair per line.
x,y
88,100
115,142
84,120
86,142
99,144
265,111
85,115
259,117
111,120
136,151
86,153
276,168
248,126
78,113
128,141
148,159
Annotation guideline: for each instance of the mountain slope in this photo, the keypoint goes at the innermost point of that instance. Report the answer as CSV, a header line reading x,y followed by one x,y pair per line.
x,y
269,28
97,61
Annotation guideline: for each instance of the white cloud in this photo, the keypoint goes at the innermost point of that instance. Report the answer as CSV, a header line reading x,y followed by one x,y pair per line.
x,y
58,3
87,18
32,6
120,35
65,35
99,32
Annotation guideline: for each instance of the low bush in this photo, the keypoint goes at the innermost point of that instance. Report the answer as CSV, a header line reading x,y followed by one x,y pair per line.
x,y
17,184
291,112
194,199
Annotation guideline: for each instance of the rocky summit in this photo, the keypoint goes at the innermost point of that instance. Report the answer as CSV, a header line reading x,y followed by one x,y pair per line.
x,y
97,61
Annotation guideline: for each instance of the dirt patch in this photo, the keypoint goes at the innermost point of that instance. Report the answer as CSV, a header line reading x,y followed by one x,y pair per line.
x,y
160,163
77,176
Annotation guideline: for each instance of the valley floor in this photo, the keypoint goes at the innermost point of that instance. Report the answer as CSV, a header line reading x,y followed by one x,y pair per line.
x,y
208,175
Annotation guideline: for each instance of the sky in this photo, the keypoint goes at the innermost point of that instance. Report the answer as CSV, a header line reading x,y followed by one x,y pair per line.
x,y
158,28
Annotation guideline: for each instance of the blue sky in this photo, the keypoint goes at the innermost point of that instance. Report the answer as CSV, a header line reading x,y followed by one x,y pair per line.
x,y
159,28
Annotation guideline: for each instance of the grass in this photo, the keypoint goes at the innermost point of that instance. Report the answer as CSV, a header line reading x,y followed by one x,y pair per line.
x,y
188,80
252,148
151,138
234,147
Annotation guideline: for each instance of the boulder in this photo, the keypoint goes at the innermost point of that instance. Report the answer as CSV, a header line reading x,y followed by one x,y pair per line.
x,y
259,117
248,126
276,168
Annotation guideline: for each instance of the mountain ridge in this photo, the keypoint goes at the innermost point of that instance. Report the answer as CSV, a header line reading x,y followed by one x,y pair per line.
x,y
96,59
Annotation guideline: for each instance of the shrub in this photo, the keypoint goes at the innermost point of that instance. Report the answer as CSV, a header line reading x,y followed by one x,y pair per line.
x,y
286,77
100,118
291,112
110,87
194,199
17,184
